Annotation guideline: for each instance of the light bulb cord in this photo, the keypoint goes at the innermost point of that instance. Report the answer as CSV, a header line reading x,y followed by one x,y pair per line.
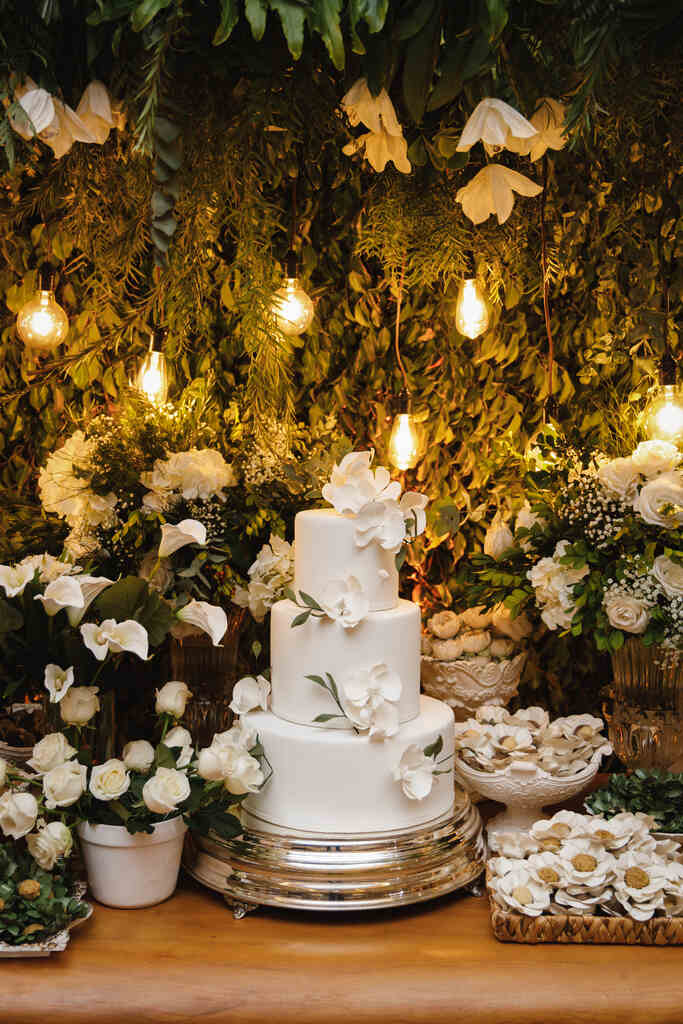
x,y
399,300
546,284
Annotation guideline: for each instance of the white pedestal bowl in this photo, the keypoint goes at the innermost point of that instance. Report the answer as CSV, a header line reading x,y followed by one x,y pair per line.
x,y
466,686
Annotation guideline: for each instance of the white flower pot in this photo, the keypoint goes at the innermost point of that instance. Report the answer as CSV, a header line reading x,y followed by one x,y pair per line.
x,y
130,871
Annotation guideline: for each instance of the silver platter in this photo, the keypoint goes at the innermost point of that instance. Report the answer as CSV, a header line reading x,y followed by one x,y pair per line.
x,y
307,871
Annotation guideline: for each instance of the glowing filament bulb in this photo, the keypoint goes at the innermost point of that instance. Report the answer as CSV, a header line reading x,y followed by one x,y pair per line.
x,y
292,308
471,309
405,442
42,323
664,414
152,377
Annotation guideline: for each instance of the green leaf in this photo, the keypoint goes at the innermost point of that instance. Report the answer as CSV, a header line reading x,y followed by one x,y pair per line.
x,y
324,17
497,16
435,748
319,680
310,601
123,600
256,12
292,17
400,558
418,68
164,757
300,619
372,12
146,11
326,718
230,15
414,21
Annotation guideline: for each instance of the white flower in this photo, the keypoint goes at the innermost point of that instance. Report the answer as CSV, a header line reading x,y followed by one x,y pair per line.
x,y
477,617
586,863
380,148
61,593
547,868
512,844
444,624
79,705
345,602
495,123
660,501
229,762
651,458
210,618
58,681
195,474
188,531
116,637
270,575
180,738
48,567
3,773
48,753
619,478
172,699
548,120
244,775
520,890
385,139
413,506
250,693
553,583
382,522
415,772
13,578
110,780
669,575
60,126
353,484
138,755
95,111
640,884
49,844
475,641
447,650
535,719
624,611
492,190
516,629
498,539
18,814
369,698
64,785
166,790
527,519
90,586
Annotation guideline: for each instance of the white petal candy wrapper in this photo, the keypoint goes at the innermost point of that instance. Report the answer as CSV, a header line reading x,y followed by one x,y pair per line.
x,y
209,618
493,122
492,191
189,531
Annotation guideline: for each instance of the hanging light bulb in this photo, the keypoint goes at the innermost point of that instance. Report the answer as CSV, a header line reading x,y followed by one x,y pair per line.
x,y
663,415
42,324
290,305
471,309
152,377
405,440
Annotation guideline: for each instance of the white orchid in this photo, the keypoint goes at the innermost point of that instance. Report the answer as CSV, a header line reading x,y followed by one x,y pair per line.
x,y
250,693
369,698
548,121
13,578
413,505
116,637
353,484
189,531
345,602
492,191
415,772
382,522
58,681
496,124
210,618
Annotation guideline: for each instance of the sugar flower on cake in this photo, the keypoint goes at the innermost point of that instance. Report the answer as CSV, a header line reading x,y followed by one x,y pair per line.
x,y
384,141
413,506
369,698
194,474
496,124
380,522
353,484
492,190
415,771
250,693
345,601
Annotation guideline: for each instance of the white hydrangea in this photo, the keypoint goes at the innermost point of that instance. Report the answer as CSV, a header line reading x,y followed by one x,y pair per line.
x,y
197,474
269,576
64,486
553,583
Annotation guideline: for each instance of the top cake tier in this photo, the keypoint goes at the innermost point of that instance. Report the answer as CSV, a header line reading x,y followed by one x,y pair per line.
x,y
325,549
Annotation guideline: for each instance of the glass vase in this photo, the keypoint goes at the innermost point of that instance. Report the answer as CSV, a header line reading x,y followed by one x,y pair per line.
x,y
646,727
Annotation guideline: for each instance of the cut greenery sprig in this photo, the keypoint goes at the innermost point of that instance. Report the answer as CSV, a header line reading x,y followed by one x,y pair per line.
x,y
433,750
331,687
310,607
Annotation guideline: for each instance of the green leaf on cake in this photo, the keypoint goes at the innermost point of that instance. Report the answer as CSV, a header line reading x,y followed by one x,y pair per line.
x,y
326,718
435,748
300,619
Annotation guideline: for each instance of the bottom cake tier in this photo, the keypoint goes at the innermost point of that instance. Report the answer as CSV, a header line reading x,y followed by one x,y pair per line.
x,y
333,781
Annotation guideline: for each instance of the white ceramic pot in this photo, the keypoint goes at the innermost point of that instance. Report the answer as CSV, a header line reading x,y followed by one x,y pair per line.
x,y
130,871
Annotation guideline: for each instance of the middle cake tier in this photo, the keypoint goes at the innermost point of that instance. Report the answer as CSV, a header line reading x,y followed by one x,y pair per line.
x,y
322,646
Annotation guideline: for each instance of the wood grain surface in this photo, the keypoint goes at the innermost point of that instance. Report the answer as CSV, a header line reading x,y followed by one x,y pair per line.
x,y
189,961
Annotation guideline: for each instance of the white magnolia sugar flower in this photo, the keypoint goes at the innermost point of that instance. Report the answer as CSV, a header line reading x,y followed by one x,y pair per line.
x,y
521,891
116,637
180,739
13,578
511,740
496,124
669,575
172,699
110,780
444,625
345,602
413,506
195,474
250,693
660,501
64,785
18,814
165,791
138,755
624,611
49,844
415,772
370,697
534,719
498,539
353,484
492,190
53,750
58,681
209,618
79,705
380,522
188,531
384,141
548,120
652,458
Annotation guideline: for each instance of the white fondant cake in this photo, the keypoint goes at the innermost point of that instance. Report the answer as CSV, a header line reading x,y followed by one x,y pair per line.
x,y
355,749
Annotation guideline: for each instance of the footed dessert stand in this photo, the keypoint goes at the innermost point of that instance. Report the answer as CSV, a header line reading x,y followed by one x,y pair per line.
x,y
304,871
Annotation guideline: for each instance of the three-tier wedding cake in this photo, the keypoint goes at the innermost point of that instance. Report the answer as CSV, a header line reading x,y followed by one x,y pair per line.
x,y
353,746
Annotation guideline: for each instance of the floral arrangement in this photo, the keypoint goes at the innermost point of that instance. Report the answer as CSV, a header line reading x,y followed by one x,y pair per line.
x,y
584,864
475,635
597,549
495,739
657,794
270,576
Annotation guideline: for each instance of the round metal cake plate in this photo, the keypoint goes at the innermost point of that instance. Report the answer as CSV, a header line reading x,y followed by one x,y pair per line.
x,y
307,871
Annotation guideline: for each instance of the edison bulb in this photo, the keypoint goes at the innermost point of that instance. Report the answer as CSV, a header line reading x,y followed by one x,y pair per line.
x,y
471,309
152,377
42,323
405,442
664,414
292,308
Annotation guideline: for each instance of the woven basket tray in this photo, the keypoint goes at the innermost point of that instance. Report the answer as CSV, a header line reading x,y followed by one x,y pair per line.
x,y
625,931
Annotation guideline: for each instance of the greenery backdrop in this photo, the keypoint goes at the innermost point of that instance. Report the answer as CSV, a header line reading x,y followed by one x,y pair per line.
x,y
237,104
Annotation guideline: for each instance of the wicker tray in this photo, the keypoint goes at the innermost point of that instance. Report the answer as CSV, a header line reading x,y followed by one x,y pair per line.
x,y
624,931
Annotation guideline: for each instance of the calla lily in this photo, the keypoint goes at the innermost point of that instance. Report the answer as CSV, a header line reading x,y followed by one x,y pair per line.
x,y
64,592
189,531
492,191
116,637
13,578
494,123
208,617
90,586
548,120
58,681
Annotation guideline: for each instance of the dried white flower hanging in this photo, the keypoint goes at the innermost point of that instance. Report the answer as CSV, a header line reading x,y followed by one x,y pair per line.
x,y
492,191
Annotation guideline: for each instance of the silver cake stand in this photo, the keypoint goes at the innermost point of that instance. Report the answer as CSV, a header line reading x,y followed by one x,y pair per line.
x,y
305,871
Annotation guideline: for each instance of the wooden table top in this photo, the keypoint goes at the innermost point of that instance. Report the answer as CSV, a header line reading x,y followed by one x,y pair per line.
x,y
188,961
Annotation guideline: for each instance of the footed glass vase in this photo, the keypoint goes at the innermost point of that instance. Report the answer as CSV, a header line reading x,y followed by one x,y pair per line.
x,y
646,726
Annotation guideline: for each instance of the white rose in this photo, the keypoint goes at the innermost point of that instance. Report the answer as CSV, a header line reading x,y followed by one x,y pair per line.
x,y
444,624
49,844
654,457
172,699
476,642
502,647
345,602
250,693
3,773
179,738
138,755
626,612
498,539
477,617
447,650
166,790
110,780
79,705
619,478
516,629
18,814
660,501
64,785
245,775
50,752
669,575
211,763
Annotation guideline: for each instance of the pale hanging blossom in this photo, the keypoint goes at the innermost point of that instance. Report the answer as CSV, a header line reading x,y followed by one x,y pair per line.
x,y
52,121
496,124
381,148
384,141
548,121
492,191
96,112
